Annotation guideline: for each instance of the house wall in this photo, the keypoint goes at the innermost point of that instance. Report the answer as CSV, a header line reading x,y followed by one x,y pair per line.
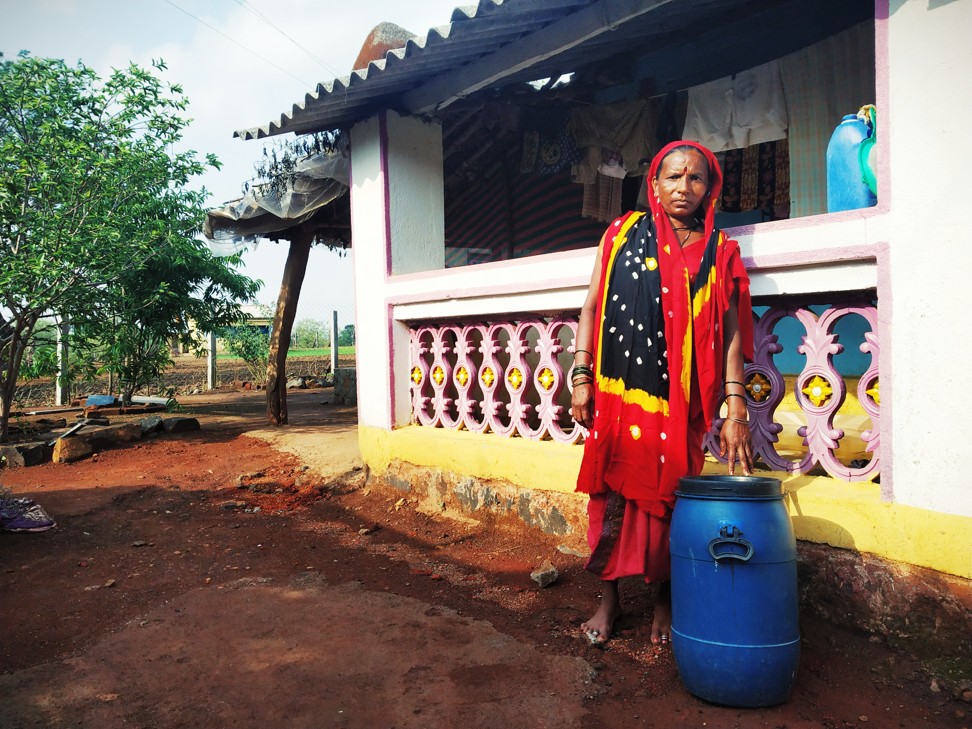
x,y
929,57
921,513
398,223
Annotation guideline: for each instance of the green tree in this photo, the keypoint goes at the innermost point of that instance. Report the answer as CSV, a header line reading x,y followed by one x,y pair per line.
x,y
251,345
178,296
346,337
40,356
310,333
90,187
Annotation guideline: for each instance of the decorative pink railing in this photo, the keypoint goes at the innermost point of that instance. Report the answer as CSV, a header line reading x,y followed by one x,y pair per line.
x,y
511,378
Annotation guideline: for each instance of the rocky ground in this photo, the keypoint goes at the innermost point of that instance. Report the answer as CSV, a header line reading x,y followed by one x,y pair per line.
x,y
249,577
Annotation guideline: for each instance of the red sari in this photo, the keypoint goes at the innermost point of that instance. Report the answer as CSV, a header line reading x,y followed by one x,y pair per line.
x,y
658,361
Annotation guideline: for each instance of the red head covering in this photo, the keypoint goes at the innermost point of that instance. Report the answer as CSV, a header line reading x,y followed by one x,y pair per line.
x,y
665,232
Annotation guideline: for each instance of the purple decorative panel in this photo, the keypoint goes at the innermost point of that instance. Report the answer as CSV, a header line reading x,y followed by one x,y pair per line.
x,y
511,378
505,377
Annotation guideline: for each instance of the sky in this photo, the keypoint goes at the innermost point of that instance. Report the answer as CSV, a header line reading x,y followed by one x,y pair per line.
x,y
238,70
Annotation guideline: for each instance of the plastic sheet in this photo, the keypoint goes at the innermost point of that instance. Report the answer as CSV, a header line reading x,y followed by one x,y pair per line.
x,y
319,180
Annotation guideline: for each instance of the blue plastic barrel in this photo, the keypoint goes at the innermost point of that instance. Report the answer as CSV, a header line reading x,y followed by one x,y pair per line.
x,y
846,186
735,608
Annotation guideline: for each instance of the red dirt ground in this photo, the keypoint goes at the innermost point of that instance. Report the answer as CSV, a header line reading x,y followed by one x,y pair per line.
x,y
166,599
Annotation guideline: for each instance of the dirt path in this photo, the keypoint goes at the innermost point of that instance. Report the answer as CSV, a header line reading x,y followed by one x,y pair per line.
x,y
242,577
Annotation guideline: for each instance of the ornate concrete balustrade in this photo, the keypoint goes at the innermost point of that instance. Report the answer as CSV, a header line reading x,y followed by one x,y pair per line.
x,y
511,378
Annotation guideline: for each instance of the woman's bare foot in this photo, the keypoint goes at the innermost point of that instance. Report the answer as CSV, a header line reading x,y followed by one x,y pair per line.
x,y
601,625
661,625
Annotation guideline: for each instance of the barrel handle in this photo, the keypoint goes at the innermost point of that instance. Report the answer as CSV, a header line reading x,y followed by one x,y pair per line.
x,y
727,537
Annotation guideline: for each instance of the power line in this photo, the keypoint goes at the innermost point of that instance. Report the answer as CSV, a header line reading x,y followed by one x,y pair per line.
x,y
236,42
244,4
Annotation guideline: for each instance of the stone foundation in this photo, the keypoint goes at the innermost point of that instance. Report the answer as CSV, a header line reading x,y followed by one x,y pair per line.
x,y
928,612
557,514
345,386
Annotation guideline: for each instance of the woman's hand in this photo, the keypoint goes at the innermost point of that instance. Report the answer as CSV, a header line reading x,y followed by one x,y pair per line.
x,y
582,405
736,444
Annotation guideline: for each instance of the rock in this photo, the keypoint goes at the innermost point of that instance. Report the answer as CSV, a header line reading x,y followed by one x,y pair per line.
x,y
113,435
345,386
180,425
364,531
936,686
151,424
297,383
68,450
564,549
545,575
229,505
967,696
26,454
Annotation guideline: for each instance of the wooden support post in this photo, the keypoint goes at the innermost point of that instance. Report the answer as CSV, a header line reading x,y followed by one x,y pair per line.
x,y
283,324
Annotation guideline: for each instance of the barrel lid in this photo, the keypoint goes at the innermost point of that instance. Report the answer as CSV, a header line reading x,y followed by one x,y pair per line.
x,y
730,487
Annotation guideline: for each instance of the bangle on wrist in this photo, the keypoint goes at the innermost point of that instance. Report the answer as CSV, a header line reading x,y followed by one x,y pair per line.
x,y
734,394
733,382
737,420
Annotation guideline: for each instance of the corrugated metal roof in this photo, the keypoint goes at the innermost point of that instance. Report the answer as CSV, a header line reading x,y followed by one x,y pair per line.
x,y
499,42
473,32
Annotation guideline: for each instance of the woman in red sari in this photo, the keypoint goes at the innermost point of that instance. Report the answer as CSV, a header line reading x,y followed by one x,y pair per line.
x,y
661,342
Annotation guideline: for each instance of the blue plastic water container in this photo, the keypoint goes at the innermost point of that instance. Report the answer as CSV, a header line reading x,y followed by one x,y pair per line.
x,y
846,186
735,608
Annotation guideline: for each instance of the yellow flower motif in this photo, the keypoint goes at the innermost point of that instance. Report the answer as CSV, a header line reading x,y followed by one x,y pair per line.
x,y
546,378
635,432
515,378
875,391
759,387
417,375
651,264
487,376
818,390
438,374
462,375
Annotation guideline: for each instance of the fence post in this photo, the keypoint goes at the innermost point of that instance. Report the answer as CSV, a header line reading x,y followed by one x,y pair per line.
x,y
211,363
62,389
334,343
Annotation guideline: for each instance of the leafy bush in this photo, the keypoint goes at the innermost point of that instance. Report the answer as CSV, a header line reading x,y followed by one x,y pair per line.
x,y
252,346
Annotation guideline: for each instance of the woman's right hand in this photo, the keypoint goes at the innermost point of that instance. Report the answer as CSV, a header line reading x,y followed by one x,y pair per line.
x,y
582,405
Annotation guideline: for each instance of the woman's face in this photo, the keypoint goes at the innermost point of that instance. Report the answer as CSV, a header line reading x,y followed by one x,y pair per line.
x,y
682,183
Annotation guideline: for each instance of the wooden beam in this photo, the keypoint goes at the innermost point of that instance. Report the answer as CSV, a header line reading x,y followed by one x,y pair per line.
x,y
598,18
283,324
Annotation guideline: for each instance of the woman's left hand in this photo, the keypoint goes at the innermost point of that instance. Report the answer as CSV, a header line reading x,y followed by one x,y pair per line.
x,y
736,444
